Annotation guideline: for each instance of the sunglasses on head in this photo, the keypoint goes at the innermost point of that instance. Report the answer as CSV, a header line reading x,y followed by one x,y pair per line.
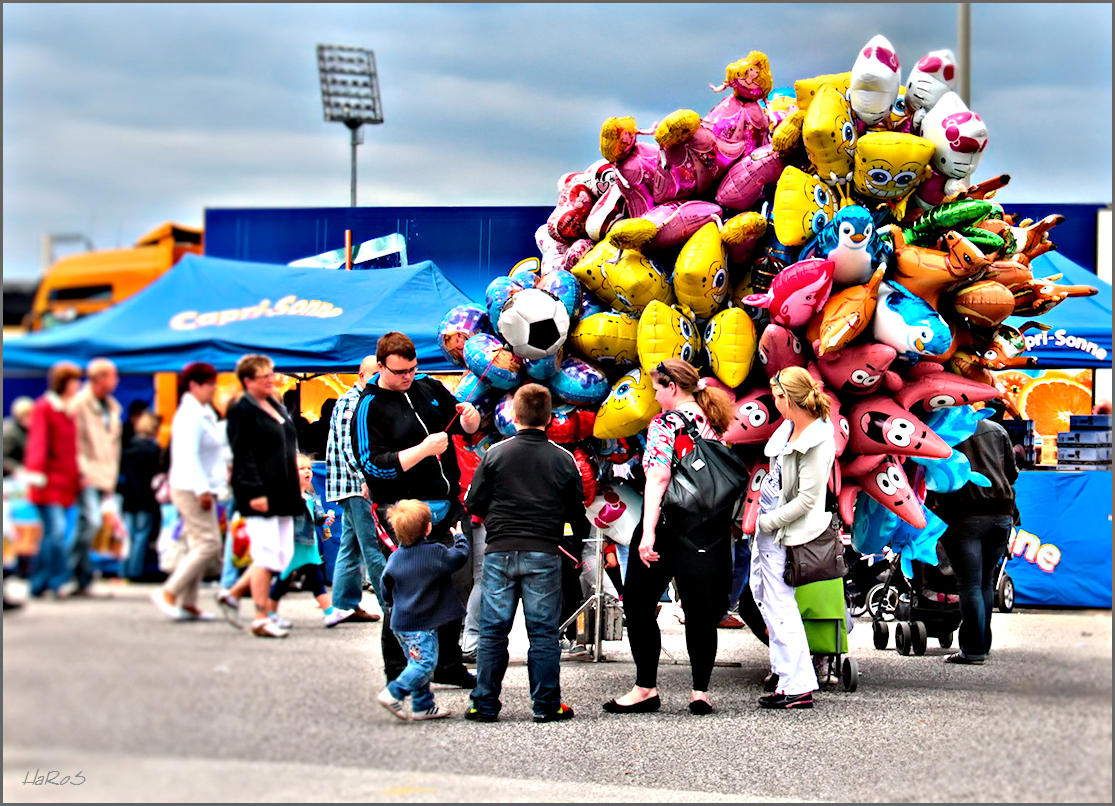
x,y
661,370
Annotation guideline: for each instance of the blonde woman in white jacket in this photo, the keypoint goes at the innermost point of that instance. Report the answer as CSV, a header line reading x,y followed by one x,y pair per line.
x,y
791,512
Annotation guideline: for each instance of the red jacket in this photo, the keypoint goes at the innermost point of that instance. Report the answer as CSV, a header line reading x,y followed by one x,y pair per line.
x,y
51,457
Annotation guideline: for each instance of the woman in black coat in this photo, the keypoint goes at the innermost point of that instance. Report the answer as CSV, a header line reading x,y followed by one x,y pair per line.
x,y
265,485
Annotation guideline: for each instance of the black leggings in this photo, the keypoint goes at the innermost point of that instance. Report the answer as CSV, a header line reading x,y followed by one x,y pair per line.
x,y
313,581
704,598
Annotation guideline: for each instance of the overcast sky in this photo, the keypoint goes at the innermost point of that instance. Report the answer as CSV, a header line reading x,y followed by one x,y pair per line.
x,y
120,117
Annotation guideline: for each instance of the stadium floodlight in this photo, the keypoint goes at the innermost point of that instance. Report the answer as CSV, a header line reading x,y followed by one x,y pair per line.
x,y
349,92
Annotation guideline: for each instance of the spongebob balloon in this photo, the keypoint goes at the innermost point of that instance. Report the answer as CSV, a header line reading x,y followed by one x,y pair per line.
x,y
874,85
629,407
806,89
803,204
667,332
701,272
607,338
829,134
619,273
889,165
730,342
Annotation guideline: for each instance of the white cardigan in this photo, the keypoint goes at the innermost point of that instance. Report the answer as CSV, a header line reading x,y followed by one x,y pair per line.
x,y
806,467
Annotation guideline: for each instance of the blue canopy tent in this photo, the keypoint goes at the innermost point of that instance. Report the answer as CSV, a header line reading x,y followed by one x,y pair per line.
x,y
1079,332
215,310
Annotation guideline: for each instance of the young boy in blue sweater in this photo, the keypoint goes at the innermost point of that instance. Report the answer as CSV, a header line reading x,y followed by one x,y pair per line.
x,y
418,587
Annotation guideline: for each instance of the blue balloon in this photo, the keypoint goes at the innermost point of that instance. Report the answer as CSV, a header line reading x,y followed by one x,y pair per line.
x,y
481,354
496,296
580,383
542,369
565,287
504,416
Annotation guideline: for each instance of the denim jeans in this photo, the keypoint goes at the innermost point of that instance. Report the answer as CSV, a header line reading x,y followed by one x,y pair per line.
x,y
50,569
974,545
741,571
471,636
358,543
421,651
535,578
88,524
140,527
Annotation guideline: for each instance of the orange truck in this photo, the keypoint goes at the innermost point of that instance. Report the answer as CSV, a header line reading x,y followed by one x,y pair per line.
x,y
85,283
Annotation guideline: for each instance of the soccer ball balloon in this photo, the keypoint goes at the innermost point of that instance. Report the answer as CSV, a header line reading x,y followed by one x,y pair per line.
x,y
534,322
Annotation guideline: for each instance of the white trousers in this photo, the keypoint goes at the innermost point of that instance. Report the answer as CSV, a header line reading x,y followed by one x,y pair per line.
x,y
789,647
271,541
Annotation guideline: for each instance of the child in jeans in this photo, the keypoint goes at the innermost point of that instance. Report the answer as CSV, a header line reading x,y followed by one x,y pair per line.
x,y
417,586
307,556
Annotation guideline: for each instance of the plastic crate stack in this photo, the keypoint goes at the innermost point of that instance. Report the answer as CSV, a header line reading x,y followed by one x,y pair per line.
x,y
1087,446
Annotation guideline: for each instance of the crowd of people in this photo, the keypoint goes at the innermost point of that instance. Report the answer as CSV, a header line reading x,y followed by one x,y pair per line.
x,y
448,567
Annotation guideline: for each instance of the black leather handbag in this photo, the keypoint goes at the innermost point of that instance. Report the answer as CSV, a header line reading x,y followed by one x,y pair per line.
x,y
703,484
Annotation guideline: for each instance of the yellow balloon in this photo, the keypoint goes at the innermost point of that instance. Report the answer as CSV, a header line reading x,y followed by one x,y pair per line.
x,y
889,165
829,133
613,336
730,342
803,204
619,273
629,407
806,89
701,272
667,332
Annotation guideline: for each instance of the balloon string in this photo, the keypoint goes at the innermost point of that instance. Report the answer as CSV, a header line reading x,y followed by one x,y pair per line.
x,y
458,413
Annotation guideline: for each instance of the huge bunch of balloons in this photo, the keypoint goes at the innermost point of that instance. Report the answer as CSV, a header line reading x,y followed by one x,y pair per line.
x,y
831,226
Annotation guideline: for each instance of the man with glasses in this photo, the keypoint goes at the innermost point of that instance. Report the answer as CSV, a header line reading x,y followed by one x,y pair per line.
x,y
400,439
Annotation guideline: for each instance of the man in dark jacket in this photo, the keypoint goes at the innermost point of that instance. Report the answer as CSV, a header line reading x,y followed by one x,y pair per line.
x,y
400,439
526,489
979,522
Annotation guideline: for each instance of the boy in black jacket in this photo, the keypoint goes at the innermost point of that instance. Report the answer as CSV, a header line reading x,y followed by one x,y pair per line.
x,y
417,585
526,489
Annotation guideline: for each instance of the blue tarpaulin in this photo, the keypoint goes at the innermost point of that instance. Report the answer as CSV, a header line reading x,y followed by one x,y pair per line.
x,y
1062,552
1079,332
215,310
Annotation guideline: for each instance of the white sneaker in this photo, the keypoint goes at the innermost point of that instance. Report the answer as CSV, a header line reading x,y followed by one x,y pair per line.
x,y
434,712
173,612
280,621
266,628
336,617
230,608
396,707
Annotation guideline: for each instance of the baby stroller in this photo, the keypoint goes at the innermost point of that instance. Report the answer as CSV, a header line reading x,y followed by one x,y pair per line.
x,y
822,606
928,608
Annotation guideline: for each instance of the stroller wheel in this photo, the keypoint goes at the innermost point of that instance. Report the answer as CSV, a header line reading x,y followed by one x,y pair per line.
x,y
946,640
903,637
880,634
1004,594
882,605
920,638
849,674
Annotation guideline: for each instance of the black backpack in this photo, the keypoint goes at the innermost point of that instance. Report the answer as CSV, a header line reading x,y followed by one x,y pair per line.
x,y
703,484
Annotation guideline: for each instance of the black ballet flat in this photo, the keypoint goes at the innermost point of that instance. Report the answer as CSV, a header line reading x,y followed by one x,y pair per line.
x,y
647,706
700,708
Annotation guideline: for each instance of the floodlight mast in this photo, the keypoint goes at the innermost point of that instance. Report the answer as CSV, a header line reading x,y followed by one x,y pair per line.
x,y
349,92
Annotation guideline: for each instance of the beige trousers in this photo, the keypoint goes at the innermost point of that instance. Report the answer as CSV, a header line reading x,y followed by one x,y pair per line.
x,y
203,544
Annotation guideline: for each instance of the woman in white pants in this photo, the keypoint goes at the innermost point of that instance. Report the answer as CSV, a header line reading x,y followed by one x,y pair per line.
x,y
791,512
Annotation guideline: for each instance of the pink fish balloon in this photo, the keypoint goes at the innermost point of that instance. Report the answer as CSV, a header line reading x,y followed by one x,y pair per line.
x,y
928,388
798,292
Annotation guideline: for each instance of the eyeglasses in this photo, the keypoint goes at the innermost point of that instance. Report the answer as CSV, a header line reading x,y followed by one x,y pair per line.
x,y
263,377
402,373
781,391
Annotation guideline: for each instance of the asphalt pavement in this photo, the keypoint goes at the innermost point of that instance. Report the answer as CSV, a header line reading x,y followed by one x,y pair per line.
x,y
148,710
